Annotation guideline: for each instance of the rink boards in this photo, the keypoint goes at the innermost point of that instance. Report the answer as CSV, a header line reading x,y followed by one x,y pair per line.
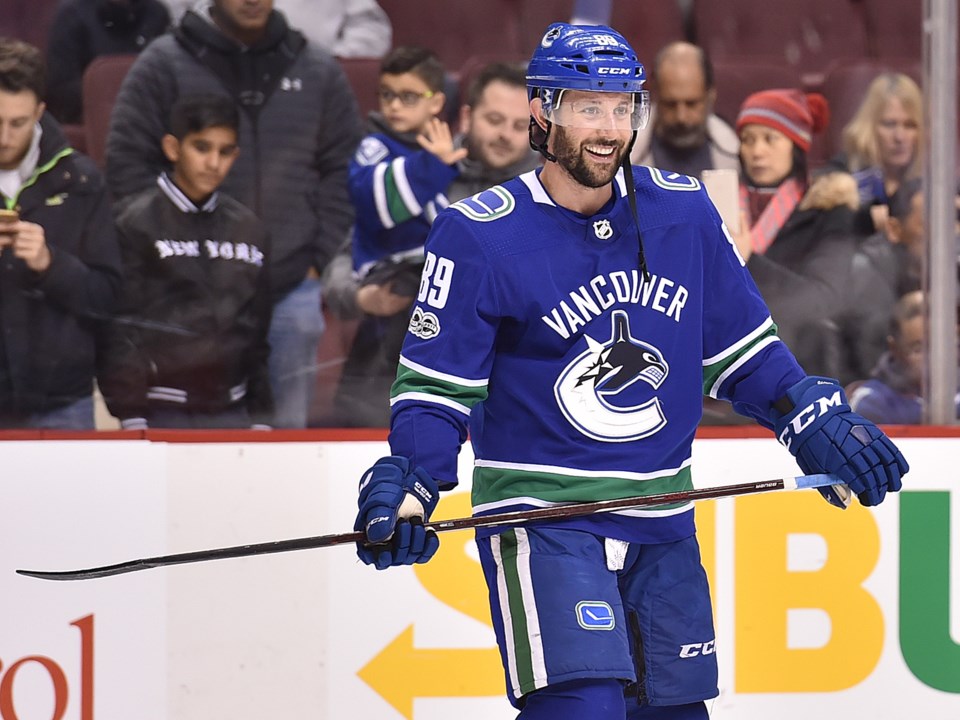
x,y
819,611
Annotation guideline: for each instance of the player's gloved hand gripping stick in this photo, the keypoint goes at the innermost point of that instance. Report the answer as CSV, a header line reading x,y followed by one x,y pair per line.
x,y
394,503
815,423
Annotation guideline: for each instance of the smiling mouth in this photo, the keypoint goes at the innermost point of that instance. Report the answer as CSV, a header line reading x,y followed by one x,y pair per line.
x,y
601,151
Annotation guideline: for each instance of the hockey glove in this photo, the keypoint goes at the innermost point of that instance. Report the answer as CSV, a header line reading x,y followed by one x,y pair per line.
x,y
825,436
394,503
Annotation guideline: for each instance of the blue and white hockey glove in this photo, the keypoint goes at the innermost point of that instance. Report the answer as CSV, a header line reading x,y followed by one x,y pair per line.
x,y
825,436
395,501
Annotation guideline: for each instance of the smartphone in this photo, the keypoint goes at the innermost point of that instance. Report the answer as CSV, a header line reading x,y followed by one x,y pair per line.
x,y
7,219
723,187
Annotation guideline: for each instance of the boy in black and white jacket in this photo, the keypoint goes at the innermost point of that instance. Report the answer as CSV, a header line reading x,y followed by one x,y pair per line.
x,y
189,346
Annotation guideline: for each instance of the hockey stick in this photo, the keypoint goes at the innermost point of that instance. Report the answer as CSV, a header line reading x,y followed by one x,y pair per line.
x,y
518,517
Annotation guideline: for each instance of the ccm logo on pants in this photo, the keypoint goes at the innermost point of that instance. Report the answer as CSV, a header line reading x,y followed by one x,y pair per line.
x,y
695,649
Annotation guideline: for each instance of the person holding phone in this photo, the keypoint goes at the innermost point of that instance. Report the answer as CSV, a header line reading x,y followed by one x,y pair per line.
x,y
59,258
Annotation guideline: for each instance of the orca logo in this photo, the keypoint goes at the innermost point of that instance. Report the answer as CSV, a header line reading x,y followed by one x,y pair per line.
x,y
603,229
589,388
551,37
595,615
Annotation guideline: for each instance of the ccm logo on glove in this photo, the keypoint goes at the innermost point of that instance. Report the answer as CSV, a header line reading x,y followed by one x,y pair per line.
x,y
801,421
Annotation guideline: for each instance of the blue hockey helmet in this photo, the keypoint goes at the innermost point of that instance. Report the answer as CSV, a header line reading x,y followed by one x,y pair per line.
x,y
593,58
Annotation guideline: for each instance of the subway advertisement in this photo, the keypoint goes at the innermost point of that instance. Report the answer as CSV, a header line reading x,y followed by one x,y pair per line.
x,y
818,611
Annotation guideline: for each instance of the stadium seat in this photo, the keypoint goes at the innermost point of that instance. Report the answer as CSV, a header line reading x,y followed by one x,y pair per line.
x,y
807,36
736,79
456,29
28,20
363,75
646,31
894,28
101,83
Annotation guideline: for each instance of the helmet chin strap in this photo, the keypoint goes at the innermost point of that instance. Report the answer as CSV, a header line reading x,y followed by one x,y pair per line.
x,y
632,199
534,131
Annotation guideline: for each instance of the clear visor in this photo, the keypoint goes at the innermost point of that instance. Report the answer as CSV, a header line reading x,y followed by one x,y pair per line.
x,y
598,110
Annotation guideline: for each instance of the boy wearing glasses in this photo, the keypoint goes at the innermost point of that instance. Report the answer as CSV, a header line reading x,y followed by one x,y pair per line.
x,y
401,169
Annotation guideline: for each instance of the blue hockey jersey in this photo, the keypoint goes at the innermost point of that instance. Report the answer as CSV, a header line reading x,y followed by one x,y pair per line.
x,y
397,189
579,381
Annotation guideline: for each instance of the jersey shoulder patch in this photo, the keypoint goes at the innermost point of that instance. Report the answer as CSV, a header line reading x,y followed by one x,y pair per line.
x,y
673,181
491,204
371,151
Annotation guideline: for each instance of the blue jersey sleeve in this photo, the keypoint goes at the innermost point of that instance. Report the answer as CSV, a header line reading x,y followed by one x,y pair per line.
x,y
449,348
744,360
390,184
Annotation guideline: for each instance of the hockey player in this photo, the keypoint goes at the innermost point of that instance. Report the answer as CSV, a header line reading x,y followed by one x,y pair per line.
x,y
580,359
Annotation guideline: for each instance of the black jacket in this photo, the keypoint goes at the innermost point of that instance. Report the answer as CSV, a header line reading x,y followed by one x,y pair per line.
x,y
192,324
49,321
299,128
86,29
804,273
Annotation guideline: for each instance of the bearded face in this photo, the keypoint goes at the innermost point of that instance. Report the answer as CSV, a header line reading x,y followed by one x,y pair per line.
x,y
591,158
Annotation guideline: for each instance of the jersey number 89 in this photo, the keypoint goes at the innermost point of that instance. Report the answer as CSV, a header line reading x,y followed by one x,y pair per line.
x,y
435,281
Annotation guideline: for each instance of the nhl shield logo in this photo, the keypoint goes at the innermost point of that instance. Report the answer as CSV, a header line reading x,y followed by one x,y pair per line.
x,y
597,391
603,229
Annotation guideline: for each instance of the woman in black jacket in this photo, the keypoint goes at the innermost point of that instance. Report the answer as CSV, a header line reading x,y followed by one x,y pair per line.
x,y
796,237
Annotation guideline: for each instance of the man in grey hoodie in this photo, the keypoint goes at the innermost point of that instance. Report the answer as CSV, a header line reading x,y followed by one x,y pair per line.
x,y
299,127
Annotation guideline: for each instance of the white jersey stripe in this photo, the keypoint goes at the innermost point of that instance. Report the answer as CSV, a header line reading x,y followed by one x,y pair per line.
x,y
380,195
742,342
740,361
403,186
504,601
537,502
534,636
579,472
437,375
434,399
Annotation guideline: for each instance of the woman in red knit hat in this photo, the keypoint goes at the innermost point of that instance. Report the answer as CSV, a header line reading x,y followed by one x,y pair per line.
x,y
796,237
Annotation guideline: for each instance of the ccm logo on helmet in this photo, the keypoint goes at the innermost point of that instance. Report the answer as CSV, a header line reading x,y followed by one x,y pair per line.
x,y
695,649
811,412
613,71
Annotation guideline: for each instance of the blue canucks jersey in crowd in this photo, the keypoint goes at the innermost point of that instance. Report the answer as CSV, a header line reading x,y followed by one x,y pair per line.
x,y
397,189
578,381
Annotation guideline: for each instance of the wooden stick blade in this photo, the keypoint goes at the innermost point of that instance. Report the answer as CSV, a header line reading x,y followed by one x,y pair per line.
x,y
505,519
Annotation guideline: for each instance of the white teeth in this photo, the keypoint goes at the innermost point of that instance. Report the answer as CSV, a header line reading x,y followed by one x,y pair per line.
x,y
600,149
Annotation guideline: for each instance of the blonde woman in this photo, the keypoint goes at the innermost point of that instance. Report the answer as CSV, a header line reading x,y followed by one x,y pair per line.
x,y
883,144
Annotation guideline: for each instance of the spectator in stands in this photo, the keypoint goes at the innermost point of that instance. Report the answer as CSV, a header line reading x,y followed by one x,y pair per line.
x,y
686,136
493,147
298,127
345,28
883,145
59,259
894,391
85,29
797,240
189,347
887,266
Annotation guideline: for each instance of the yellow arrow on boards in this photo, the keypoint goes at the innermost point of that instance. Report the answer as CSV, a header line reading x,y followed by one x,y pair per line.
x,y
402,672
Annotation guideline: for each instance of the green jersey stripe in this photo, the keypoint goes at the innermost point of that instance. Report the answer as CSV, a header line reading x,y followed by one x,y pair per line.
x,y
411,381
396,206
721,366
514,616
499,484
